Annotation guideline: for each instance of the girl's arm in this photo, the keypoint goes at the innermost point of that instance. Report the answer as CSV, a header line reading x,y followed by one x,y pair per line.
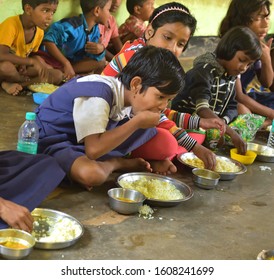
x,y
251,104
265,74
98,145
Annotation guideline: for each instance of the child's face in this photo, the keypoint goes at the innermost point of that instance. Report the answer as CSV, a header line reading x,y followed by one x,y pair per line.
x,y
146,10
104,14
150,100
238,64
115,6
171,36
260,23
42,15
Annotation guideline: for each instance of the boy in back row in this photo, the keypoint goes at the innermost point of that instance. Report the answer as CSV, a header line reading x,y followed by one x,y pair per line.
x,y
20,38
72,44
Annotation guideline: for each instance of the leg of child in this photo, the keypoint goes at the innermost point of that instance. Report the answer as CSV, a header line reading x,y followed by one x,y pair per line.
x,y
89,66
10,78
40,72
90,173
159,151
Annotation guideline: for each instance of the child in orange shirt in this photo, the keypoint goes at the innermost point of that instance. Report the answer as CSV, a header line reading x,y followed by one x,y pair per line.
x,y
20,38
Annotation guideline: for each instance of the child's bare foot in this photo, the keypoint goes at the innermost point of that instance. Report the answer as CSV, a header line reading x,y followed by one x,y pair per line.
x,y
11,88
90,173
163,167
133,164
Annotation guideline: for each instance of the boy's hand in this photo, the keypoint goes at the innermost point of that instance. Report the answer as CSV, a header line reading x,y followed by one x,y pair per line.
x,y
15,215
207,156
147,119
94,48
68,72
213,123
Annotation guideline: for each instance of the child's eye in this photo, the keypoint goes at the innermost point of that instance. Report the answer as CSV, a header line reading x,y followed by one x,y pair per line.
x,y
167,37
181,45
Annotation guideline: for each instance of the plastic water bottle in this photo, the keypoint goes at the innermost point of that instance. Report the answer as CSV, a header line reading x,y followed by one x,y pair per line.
x,y
270,142
28,135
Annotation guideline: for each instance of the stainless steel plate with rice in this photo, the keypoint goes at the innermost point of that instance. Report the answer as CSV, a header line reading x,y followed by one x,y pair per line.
x,y
264,153
160,188
54,229
234,167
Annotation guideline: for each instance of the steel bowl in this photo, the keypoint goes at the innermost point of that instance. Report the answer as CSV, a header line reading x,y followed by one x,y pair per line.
x,y
15,244
264,153
184,189
62,230
125,201
225,176
205,179
266,255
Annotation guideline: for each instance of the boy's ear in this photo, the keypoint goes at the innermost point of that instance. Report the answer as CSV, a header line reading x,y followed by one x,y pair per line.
x,y
137,10
136,84
28,9
96,11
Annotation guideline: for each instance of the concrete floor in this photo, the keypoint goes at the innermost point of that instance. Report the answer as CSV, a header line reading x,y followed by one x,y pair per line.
x,y
232,222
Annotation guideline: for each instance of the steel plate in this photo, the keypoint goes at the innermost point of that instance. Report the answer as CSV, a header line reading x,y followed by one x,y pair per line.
x,y
186,191
225,176
53,217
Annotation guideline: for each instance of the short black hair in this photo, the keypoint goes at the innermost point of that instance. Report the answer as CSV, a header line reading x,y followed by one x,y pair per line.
x,y
88,5
132,3
35,3
239,38
170,13
157,67
239,13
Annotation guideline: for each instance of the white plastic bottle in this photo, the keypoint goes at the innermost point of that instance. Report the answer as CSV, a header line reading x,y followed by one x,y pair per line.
x,y
270,142
28,135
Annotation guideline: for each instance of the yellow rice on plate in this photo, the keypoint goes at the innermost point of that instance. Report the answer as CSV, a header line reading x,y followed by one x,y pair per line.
x,y
154,189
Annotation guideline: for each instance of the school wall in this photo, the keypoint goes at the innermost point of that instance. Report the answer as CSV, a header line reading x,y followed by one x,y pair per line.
x,y
208,13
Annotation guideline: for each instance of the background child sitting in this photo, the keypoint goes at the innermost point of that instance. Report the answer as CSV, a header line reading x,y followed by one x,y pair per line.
x,y
71,44
109,34
20,38
134,26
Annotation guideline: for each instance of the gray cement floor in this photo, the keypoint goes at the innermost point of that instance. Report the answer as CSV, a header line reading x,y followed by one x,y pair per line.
x,y
232,222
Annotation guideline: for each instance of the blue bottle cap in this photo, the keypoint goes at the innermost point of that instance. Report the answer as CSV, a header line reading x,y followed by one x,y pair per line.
x,y
30,116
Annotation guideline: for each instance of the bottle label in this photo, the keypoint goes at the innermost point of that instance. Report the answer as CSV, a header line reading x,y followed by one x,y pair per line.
x,y
27,147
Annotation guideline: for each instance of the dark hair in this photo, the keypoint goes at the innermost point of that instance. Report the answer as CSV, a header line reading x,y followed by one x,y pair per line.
x,y
88,5
35,3
132,3
239,38
170,13
239,13
157,67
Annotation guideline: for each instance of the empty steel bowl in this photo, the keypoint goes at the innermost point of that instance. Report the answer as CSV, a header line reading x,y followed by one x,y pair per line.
x,y
125,201
205,179
15,244
248,158
266,255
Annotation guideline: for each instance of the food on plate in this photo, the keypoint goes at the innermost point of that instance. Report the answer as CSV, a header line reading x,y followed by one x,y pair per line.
x,y
43,87
221,166
154,188
60,230
13,245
